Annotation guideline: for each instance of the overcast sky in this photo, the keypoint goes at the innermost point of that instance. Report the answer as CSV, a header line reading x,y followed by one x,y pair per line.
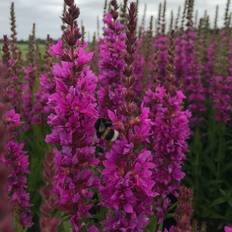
x,y
46,13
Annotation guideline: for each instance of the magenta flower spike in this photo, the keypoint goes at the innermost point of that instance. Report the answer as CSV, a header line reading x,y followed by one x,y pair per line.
x,y
128,185
14,158
111,62
27,96
6,222
228,229
188,75
170,132
221,95
72,118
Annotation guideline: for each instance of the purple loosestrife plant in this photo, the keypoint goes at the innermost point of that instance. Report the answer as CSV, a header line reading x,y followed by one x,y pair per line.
x,y
15,160
170,132
192,83
111,61
6,222
41,109
209,67
48,222
27,95
195,91
72,122
13,86
188,74
161,47
221,94
139,70
180,57
127,176
228,229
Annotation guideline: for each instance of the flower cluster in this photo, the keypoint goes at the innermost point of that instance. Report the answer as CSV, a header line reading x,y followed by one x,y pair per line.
x,y
228,229
13,157
48,222
188,74
161,47
17,162
46,88
221,95
6,222
111,62
117,139
127,187
170,132
27,96
72,119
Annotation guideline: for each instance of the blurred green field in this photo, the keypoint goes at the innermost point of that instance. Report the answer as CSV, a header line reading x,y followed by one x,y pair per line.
x,y
24,48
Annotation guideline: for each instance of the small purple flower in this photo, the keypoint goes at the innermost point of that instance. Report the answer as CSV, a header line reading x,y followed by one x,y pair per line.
x,y
56,49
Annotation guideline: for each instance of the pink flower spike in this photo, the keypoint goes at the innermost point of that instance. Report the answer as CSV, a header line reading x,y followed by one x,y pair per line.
x,y
228,229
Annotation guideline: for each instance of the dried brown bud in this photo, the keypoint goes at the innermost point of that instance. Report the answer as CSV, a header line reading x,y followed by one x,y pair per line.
x,y
69,2
74,12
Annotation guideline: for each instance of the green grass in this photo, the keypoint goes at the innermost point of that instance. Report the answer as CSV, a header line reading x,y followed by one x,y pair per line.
x,y
24,48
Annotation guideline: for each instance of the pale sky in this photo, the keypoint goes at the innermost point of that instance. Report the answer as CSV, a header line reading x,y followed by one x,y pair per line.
x,y
46,14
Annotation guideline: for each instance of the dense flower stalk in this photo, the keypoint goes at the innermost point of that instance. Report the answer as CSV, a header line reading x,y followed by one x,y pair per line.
x,y
209,66
17,162
13,44
170,132
180,58
161,47
48,222
6,221
193,83
28,96
72,122
41,109
127,176
221,95
111,61
228,229
14,159
188,70
13,86
188,74
139,69
5,50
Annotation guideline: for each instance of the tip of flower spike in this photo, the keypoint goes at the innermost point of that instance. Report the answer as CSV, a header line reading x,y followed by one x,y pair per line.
x,y
227,229
69,2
